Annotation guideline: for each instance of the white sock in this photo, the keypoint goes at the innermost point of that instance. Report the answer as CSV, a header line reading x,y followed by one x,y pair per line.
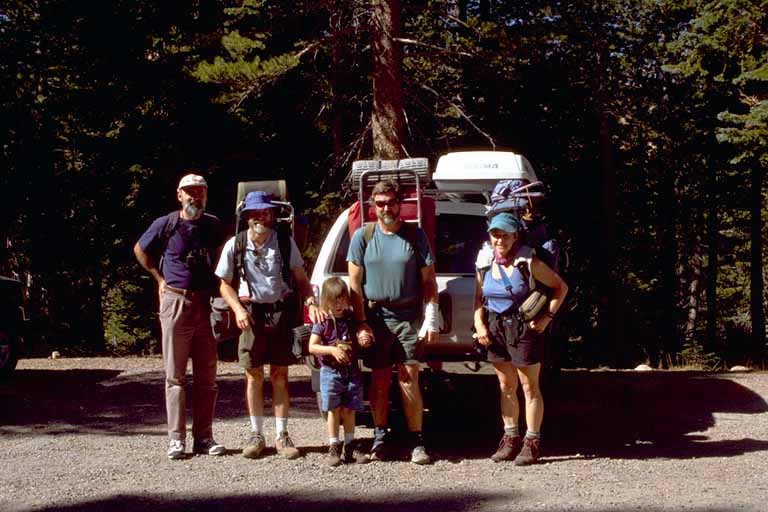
x,y
332,440
349,437
257,424
281,425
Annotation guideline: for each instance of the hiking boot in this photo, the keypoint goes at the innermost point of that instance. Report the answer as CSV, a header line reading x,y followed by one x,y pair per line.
x,y
353,454
254,446
176,449
509,448
285,447
208,447
334,455
530,452
380,444
420,456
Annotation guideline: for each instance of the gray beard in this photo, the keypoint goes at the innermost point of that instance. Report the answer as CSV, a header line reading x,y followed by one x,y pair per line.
x,y
192,211
388,220
260,229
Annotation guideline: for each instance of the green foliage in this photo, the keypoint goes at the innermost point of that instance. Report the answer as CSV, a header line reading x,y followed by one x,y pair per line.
x,y
125,320
693,356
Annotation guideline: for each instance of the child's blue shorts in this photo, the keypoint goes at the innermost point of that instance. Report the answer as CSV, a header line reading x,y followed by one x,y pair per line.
x,y
341,387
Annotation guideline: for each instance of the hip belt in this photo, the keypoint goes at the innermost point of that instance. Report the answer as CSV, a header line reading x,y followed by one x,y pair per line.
x,y
189,294
374,304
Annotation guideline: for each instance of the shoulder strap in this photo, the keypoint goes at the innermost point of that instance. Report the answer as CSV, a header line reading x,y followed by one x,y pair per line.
x,y
170,227
505,278
284,244
241,242
171,223
368,233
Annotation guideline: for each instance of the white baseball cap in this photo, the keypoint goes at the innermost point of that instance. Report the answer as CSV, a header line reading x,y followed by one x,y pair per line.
x,y
192,180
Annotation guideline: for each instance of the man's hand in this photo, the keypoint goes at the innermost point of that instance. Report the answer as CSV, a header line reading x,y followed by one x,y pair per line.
x,y
364,335
316,314
243,318
161,288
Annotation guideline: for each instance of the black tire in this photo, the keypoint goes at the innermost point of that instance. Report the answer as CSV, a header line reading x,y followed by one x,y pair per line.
x,y
9,353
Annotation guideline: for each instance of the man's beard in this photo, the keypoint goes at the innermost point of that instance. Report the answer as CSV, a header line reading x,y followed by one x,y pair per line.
x,y
193,211
388,219
258,228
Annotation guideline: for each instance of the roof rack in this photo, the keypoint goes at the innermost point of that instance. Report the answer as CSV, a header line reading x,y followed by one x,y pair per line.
x,y
410,173
407,172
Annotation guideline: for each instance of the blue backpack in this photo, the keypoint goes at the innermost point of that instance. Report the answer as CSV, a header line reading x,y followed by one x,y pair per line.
x,y
523,199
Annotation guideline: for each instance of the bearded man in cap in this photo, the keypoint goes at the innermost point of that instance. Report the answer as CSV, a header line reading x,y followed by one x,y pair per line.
x,y
179,250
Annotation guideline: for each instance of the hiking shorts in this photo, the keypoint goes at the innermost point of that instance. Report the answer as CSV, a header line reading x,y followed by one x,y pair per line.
x,y
268,341
341,387
512,342
394,341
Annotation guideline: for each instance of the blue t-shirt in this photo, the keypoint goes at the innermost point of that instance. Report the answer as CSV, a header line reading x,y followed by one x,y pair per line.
x,y
330,332
392,269
191,251
495,290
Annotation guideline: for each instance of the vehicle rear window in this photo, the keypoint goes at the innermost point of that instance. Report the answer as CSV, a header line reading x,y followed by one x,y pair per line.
x,y
458,239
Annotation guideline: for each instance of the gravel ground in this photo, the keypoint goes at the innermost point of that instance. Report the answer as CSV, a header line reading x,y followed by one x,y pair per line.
x,y
89,434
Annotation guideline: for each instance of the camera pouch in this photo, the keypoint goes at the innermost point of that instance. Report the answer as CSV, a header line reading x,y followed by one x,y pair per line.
x,y
532,304
223,322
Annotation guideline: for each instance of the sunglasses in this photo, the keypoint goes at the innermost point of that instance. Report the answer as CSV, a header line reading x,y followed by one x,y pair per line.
x,y
389,202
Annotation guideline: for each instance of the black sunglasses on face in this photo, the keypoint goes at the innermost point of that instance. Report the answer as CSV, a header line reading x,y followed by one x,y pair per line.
x,y
389,202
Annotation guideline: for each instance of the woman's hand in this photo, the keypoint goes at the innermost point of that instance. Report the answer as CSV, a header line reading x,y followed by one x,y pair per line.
x,y
540,323
482,335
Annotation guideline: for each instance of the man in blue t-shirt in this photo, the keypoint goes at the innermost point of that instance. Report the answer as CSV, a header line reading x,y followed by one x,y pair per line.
x,y
391,277
179,250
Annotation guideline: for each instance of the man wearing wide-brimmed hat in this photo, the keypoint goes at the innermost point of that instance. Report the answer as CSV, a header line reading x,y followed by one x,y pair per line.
x,y
259,308
179,250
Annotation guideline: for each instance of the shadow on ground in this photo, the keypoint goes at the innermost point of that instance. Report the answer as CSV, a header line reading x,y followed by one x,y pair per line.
x,y
306,503
444,502
606,414
613,414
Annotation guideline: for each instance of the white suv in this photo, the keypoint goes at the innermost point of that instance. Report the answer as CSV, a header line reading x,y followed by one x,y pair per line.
x,y
463,182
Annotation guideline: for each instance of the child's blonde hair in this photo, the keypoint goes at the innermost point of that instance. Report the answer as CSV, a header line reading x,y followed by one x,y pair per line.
x,y
334,288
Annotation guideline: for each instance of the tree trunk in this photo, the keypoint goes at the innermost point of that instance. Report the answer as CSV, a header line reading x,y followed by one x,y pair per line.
x,y
694,286
388,119
667,292
337,105
757,313
712,244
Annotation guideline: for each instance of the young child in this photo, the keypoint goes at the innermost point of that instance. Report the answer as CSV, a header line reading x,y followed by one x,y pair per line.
x,y
341,381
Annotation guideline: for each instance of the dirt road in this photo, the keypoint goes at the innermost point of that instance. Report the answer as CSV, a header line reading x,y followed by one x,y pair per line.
x,y
89,434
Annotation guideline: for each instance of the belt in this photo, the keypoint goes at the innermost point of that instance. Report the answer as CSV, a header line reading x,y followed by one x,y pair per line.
x,y
373,304
267,307
190,294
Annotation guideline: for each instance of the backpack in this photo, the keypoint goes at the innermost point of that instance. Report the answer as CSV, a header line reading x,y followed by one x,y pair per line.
x,y
523,199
